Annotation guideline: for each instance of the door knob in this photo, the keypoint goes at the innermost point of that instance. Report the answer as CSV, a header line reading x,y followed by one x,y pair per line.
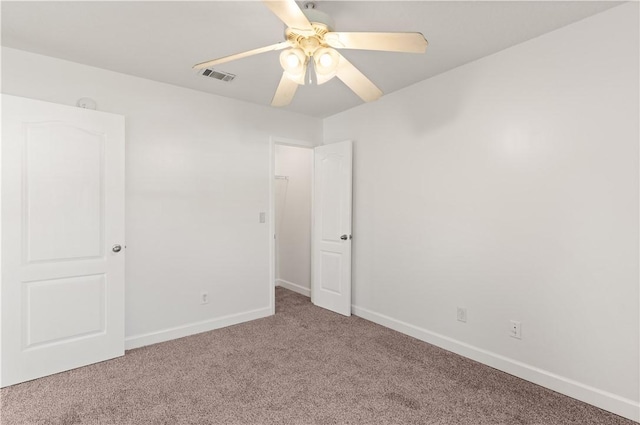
x,y
116,248
344,237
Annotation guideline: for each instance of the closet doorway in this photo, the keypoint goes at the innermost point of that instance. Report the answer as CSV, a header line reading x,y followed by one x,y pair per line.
x,y
292,184
310,221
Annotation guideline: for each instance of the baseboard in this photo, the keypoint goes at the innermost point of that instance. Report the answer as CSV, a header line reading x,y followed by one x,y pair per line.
x,y
294,287
137,341
602,399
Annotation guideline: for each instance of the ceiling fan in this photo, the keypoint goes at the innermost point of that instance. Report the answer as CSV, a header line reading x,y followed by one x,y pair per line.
x,y
310,39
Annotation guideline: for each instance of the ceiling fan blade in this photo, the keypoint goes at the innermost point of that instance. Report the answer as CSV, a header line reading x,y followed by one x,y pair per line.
x,y
409,42
289,13
277,46
356,81
285,92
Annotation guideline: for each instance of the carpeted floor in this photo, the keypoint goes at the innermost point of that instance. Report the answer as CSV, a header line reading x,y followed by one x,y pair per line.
x,y
306,366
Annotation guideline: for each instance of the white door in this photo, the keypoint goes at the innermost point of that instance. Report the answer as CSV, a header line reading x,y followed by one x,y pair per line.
x,y
331,251
62,288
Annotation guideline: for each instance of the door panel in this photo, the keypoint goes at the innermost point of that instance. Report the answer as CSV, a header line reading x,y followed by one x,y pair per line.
x,y
331,274
52,317
63,195
62,287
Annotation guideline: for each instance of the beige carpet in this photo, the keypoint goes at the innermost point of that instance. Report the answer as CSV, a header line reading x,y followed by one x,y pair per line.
x,y
305,365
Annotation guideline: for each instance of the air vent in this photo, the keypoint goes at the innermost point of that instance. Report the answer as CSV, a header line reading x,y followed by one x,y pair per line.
x,y
218,75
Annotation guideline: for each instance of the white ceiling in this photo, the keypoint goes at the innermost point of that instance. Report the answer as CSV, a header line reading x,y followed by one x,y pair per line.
x,y
161,40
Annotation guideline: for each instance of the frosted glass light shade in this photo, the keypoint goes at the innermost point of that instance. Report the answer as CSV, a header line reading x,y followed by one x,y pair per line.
x,y
326,62
293,62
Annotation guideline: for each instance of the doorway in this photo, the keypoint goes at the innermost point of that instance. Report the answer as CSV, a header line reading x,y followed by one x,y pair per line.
x,y
310,203
292,184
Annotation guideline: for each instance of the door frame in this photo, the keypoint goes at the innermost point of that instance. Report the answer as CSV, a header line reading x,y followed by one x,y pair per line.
x,y
273,141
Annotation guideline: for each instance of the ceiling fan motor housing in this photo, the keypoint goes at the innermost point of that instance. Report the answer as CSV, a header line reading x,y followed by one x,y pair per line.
x,y
321,24
317,16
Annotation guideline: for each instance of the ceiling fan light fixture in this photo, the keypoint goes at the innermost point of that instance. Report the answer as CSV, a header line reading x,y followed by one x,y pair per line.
x,y
326,61
293,62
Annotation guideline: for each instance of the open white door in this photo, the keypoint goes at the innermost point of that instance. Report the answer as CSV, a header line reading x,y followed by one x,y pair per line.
x,y
62,257
331,250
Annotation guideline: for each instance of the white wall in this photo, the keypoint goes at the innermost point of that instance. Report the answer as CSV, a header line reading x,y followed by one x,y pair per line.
x,y
293,217
197,170
509,186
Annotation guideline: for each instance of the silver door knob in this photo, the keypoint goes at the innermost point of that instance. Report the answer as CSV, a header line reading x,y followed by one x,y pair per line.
x,y
344,237
116,248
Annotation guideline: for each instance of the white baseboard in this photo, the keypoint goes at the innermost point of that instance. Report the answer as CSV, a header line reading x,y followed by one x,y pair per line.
x,y
605,400
137,341
293,287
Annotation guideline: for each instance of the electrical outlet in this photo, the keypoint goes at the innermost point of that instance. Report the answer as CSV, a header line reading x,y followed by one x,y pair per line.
x,y
204,298
462,314
515,330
